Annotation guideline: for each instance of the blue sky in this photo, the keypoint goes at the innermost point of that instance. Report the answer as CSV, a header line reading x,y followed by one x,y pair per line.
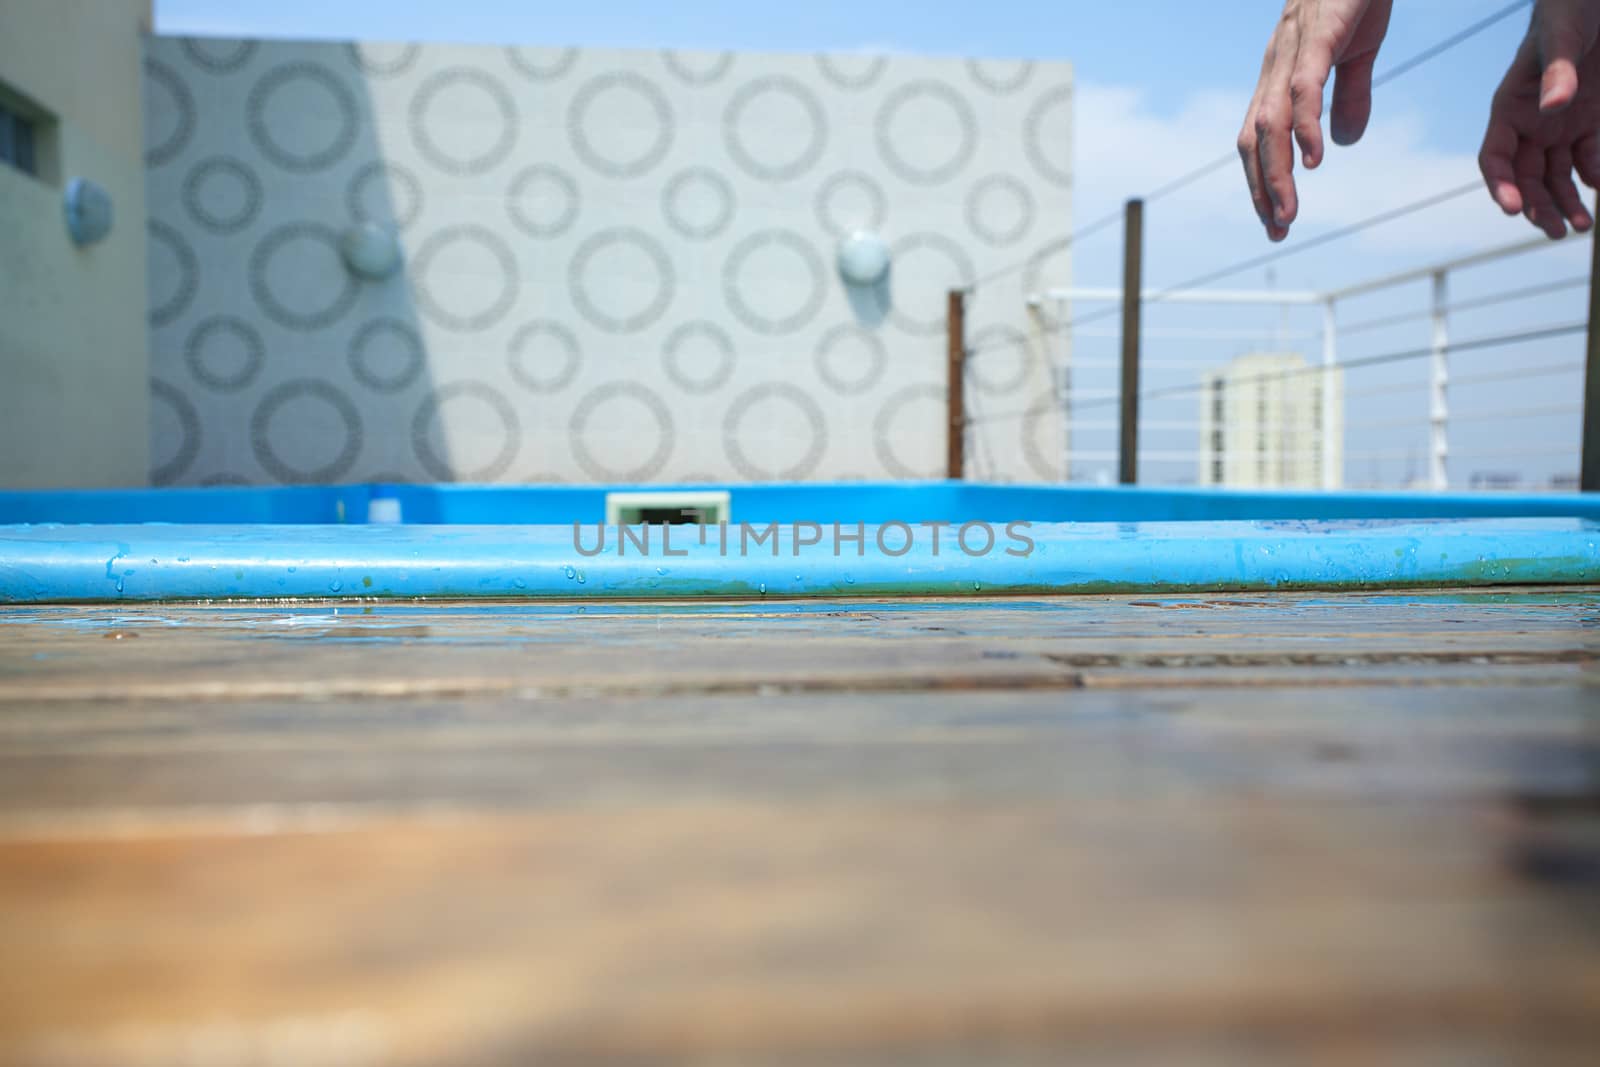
x,y
1162,86
1170,48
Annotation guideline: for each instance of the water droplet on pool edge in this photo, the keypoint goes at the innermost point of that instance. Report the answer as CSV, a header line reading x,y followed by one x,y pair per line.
x,y
571,574
763,588
581,578
335,585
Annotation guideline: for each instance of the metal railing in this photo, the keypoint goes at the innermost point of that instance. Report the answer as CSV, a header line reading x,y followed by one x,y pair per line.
x,y
1437,418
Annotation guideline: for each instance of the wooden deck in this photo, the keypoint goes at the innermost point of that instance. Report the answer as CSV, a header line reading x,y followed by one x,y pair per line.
x,y
1230,830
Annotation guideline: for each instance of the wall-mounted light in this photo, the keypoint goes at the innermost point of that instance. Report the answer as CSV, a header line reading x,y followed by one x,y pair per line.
x,y
370,251
863,259
89,211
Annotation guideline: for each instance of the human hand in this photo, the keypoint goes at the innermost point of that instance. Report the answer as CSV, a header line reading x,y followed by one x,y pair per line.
x,y
1544,120
1313,38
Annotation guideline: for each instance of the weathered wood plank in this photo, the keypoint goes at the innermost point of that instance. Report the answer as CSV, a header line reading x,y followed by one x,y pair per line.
x,y
1187,830
430,650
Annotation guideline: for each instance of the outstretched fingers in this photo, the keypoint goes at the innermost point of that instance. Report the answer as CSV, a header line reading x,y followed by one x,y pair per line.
x,y
1497,162
1558,179
1260,127
1306,88
1274,121
1538,206
1586,157
1352,99
1561,47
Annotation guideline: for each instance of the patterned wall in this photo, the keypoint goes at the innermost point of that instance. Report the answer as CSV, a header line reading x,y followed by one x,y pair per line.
x,y
618,266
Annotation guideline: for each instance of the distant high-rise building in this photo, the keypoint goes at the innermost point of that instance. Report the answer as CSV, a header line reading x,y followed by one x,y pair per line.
x,y
1261,424
1502,481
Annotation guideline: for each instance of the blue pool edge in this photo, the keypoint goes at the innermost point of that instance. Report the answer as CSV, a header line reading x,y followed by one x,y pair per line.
x,y
152,562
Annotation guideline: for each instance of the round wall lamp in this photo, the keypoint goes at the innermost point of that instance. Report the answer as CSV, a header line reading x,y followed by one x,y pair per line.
x,y
370,251
89,212
863,258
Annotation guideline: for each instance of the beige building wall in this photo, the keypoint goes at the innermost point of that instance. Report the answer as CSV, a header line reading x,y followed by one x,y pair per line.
x,y
74,345
1261,424
618,266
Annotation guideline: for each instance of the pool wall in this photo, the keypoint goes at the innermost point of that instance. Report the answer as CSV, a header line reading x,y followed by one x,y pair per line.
x,y
811,502
897,540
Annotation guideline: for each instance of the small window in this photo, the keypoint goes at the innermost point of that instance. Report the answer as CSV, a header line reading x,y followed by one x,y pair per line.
x,y
18,141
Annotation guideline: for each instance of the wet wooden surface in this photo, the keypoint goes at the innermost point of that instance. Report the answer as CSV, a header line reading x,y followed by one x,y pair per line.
x,y
1199,829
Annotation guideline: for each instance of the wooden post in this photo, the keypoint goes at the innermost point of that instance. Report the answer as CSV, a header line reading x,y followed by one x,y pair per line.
x,y
1132,301
1589,480
956,371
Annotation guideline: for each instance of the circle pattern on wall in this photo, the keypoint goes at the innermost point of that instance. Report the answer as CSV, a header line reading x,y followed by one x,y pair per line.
x,y
773,398
542,64
851,201
492,448
385,193
177,407
1047,268
890,431
946,132
544,201
775,128
774,282
281,104
611,443
1047,135
851,360
384,60
225,353
219,57
298,277
699,203
386,355
698,68
448,123
928,266
1033,451
852,73
622,280
1001,76
293,425
699,357
174,273
621,125
1004,356
223,195
530,359
164,143
1000,210
465,278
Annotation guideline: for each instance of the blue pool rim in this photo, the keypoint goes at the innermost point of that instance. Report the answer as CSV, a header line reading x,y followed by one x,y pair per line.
x,y
785,542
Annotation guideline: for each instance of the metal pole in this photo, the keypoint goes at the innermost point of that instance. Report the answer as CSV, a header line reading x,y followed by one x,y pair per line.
x,y
1132,306
1332,453
1590,478
1439,411
956,371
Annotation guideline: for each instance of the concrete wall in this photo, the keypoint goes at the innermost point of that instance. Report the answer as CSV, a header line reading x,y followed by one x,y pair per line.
x,y
619,265
74,364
